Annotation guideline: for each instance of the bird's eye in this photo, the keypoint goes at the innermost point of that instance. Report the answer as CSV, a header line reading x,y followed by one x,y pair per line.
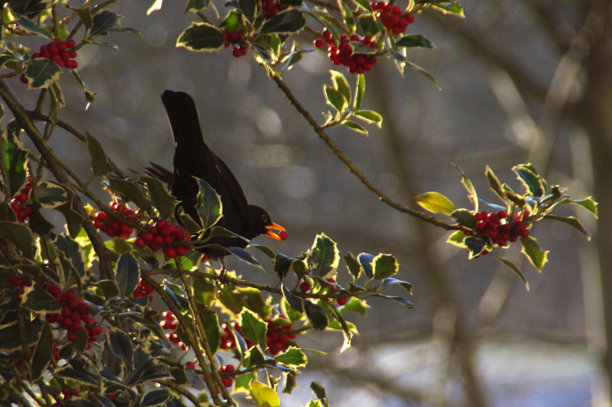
x,y
264,218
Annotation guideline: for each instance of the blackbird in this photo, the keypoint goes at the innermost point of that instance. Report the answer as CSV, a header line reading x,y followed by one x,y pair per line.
x,y
193,158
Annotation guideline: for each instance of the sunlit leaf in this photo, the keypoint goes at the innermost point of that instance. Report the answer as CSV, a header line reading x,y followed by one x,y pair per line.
x,y
534,254
263,395
202,37
435,202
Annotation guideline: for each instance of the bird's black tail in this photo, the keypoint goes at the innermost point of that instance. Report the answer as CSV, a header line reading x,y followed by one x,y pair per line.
x,y
183,117
161,173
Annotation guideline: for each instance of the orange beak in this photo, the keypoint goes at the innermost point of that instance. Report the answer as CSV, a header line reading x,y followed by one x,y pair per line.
x,y
272,228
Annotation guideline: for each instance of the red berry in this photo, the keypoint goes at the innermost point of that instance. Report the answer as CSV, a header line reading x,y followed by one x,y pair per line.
x,y
304,286
341,301
23,78
227,381
190,365
283,235
70,43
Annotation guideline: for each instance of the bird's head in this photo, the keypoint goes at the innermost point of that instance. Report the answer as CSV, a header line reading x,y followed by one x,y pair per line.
x,y
263,225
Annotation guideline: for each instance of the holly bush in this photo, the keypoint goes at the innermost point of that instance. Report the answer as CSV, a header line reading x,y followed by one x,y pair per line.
x,y
117,306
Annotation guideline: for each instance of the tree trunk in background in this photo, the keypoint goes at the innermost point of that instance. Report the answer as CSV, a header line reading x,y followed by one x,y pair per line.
x,y
595,110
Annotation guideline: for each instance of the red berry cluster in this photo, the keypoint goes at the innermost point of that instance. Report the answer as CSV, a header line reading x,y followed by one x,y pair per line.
x,y
170,323
271,7
143,289
166,236
115,227
342,53
278,335
235,38
60,52
74,315
70,393
501,227
19,283
392,17
227,380
22,211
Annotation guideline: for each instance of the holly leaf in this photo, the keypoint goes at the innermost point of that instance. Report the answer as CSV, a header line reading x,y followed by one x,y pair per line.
x,y
253,327
20,235
202,37
42,73
209,206
263,395
435,202
100,164
287,22
385,265
292,357
103,22
414,40
534,254
127,274
323,256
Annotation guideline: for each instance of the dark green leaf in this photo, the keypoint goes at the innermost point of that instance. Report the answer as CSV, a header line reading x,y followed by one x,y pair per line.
x,y
534,254
514,268
210,320
400,300
51,195
42,72
293,357
368,25
390,280
196,5
248,8
40,300
130,191
127,274
29,26
282,263
110,288
589,204
316,315
353,265
15,161
155,398
161,198
530,179
464,217
494,183
20,235
41,357
570,220
121,345
253,327
318,390
287,22
385,265
292,300
103,22
414,40
474,245
209,204
84,14
201,37
74,220
29,8
99,162
245,256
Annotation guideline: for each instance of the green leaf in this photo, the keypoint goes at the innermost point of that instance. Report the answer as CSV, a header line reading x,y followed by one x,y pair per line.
x,y
449,7
245,256
15,161
514,268
293,301
316,315
121,345
30,27
155,398
103,22
202,37
130,190
127,274
41,357
84,14
51,195
209,204
287,22
390,281
20,235
40,300
435,202
335,98
589,204
282,263
534,254
369,25
404,61
292,357
72,251
570,220
353,265
248,7
253,327
263,395
464,217
110,288
355,127
530,179
359,91
161,198
347,15
74,220
385,265
364,4
457,239
494,183
370,116
210,319
100,164
42,72
340,83
356,305
324,256
319,391
414,40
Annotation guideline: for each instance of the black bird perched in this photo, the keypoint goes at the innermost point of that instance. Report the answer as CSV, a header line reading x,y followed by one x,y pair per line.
x,y
193,158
